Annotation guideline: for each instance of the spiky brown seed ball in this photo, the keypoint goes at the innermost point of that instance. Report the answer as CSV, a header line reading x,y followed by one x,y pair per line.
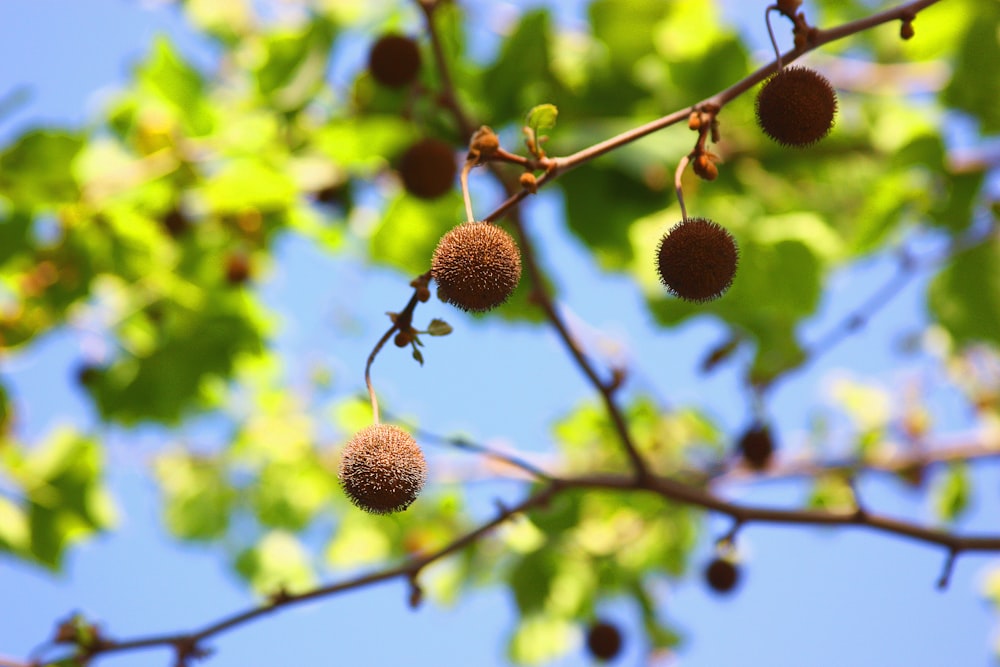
x,y
604,640
476,266
722,575
394,60
796,106
428,168
697,259
757,446
382,469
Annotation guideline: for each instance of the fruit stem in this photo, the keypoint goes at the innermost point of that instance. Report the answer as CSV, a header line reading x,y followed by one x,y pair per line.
x,y
465,190
681,166
371,392
770,32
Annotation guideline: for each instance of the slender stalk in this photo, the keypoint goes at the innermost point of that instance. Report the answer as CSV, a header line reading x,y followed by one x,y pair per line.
x,y
770,33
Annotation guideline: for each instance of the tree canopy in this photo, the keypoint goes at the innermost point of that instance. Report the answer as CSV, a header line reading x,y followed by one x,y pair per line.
x,y
146,235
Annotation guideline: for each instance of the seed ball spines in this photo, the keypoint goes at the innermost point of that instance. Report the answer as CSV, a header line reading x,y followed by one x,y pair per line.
x,y
394,60
796,106
722,575
382,469
604,640
476,266
697,259
757,446
428,168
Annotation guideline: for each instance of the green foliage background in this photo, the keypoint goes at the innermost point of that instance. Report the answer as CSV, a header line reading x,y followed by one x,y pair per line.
x,y
129,223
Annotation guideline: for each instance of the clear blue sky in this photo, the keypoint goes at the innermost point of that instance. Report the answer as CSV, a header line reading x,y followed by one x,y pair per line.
x,y
809,597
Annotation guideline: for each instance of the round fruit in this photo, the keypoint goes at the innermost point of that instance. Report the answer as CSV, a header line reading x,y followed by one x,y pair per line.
x,y
757,446
237,269
476,266
428,168
722,575
175,223
697,259
382,469
394,60
604,640
796,106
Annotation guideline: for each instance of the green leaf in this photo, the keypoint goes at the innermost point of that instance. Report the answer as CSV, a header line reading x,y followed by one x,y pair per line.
x,y
170,373
540,638
37,169
278,563
418,356
832,493
542,117
65,500
439,328
975,82
965,296
198,496
167,77
411,229
627,28
521,74
601,204
952,492
295,65
530,580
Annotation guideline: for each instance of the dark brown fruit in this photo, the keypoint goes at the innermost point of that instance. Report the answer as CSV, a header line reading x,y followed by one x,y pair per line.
x,y
604,640
87,374
476,266
796,106
402,339
697,259
237,269
382,469
757,446
722,575
394,60
428,168
175,223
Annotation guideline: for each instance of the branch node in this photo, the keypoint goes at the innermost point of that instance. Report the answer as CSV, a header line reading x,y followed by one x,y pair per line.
x,y
728,540
416,592
949,567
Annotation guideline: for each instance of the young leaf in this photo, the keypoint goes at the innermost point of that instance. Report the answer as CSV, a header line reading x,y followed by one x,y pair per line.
x,y
542,117
439,328
418,356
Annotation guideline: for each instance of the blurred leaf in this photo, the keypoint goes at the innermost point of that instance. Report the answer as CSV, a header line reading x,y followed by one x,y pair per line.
x,y
531,579
364,145
965,296
521,74
409,232
540,638
277,563
952,492
295,65
198,497
64,499
36,169
169,378
288,495
975,84
605,229
832,493
168,77
627,27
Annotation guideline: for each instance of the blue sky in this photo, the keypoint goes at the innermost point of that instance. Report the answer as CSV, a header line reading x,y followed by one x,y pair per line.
x,y
809,597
